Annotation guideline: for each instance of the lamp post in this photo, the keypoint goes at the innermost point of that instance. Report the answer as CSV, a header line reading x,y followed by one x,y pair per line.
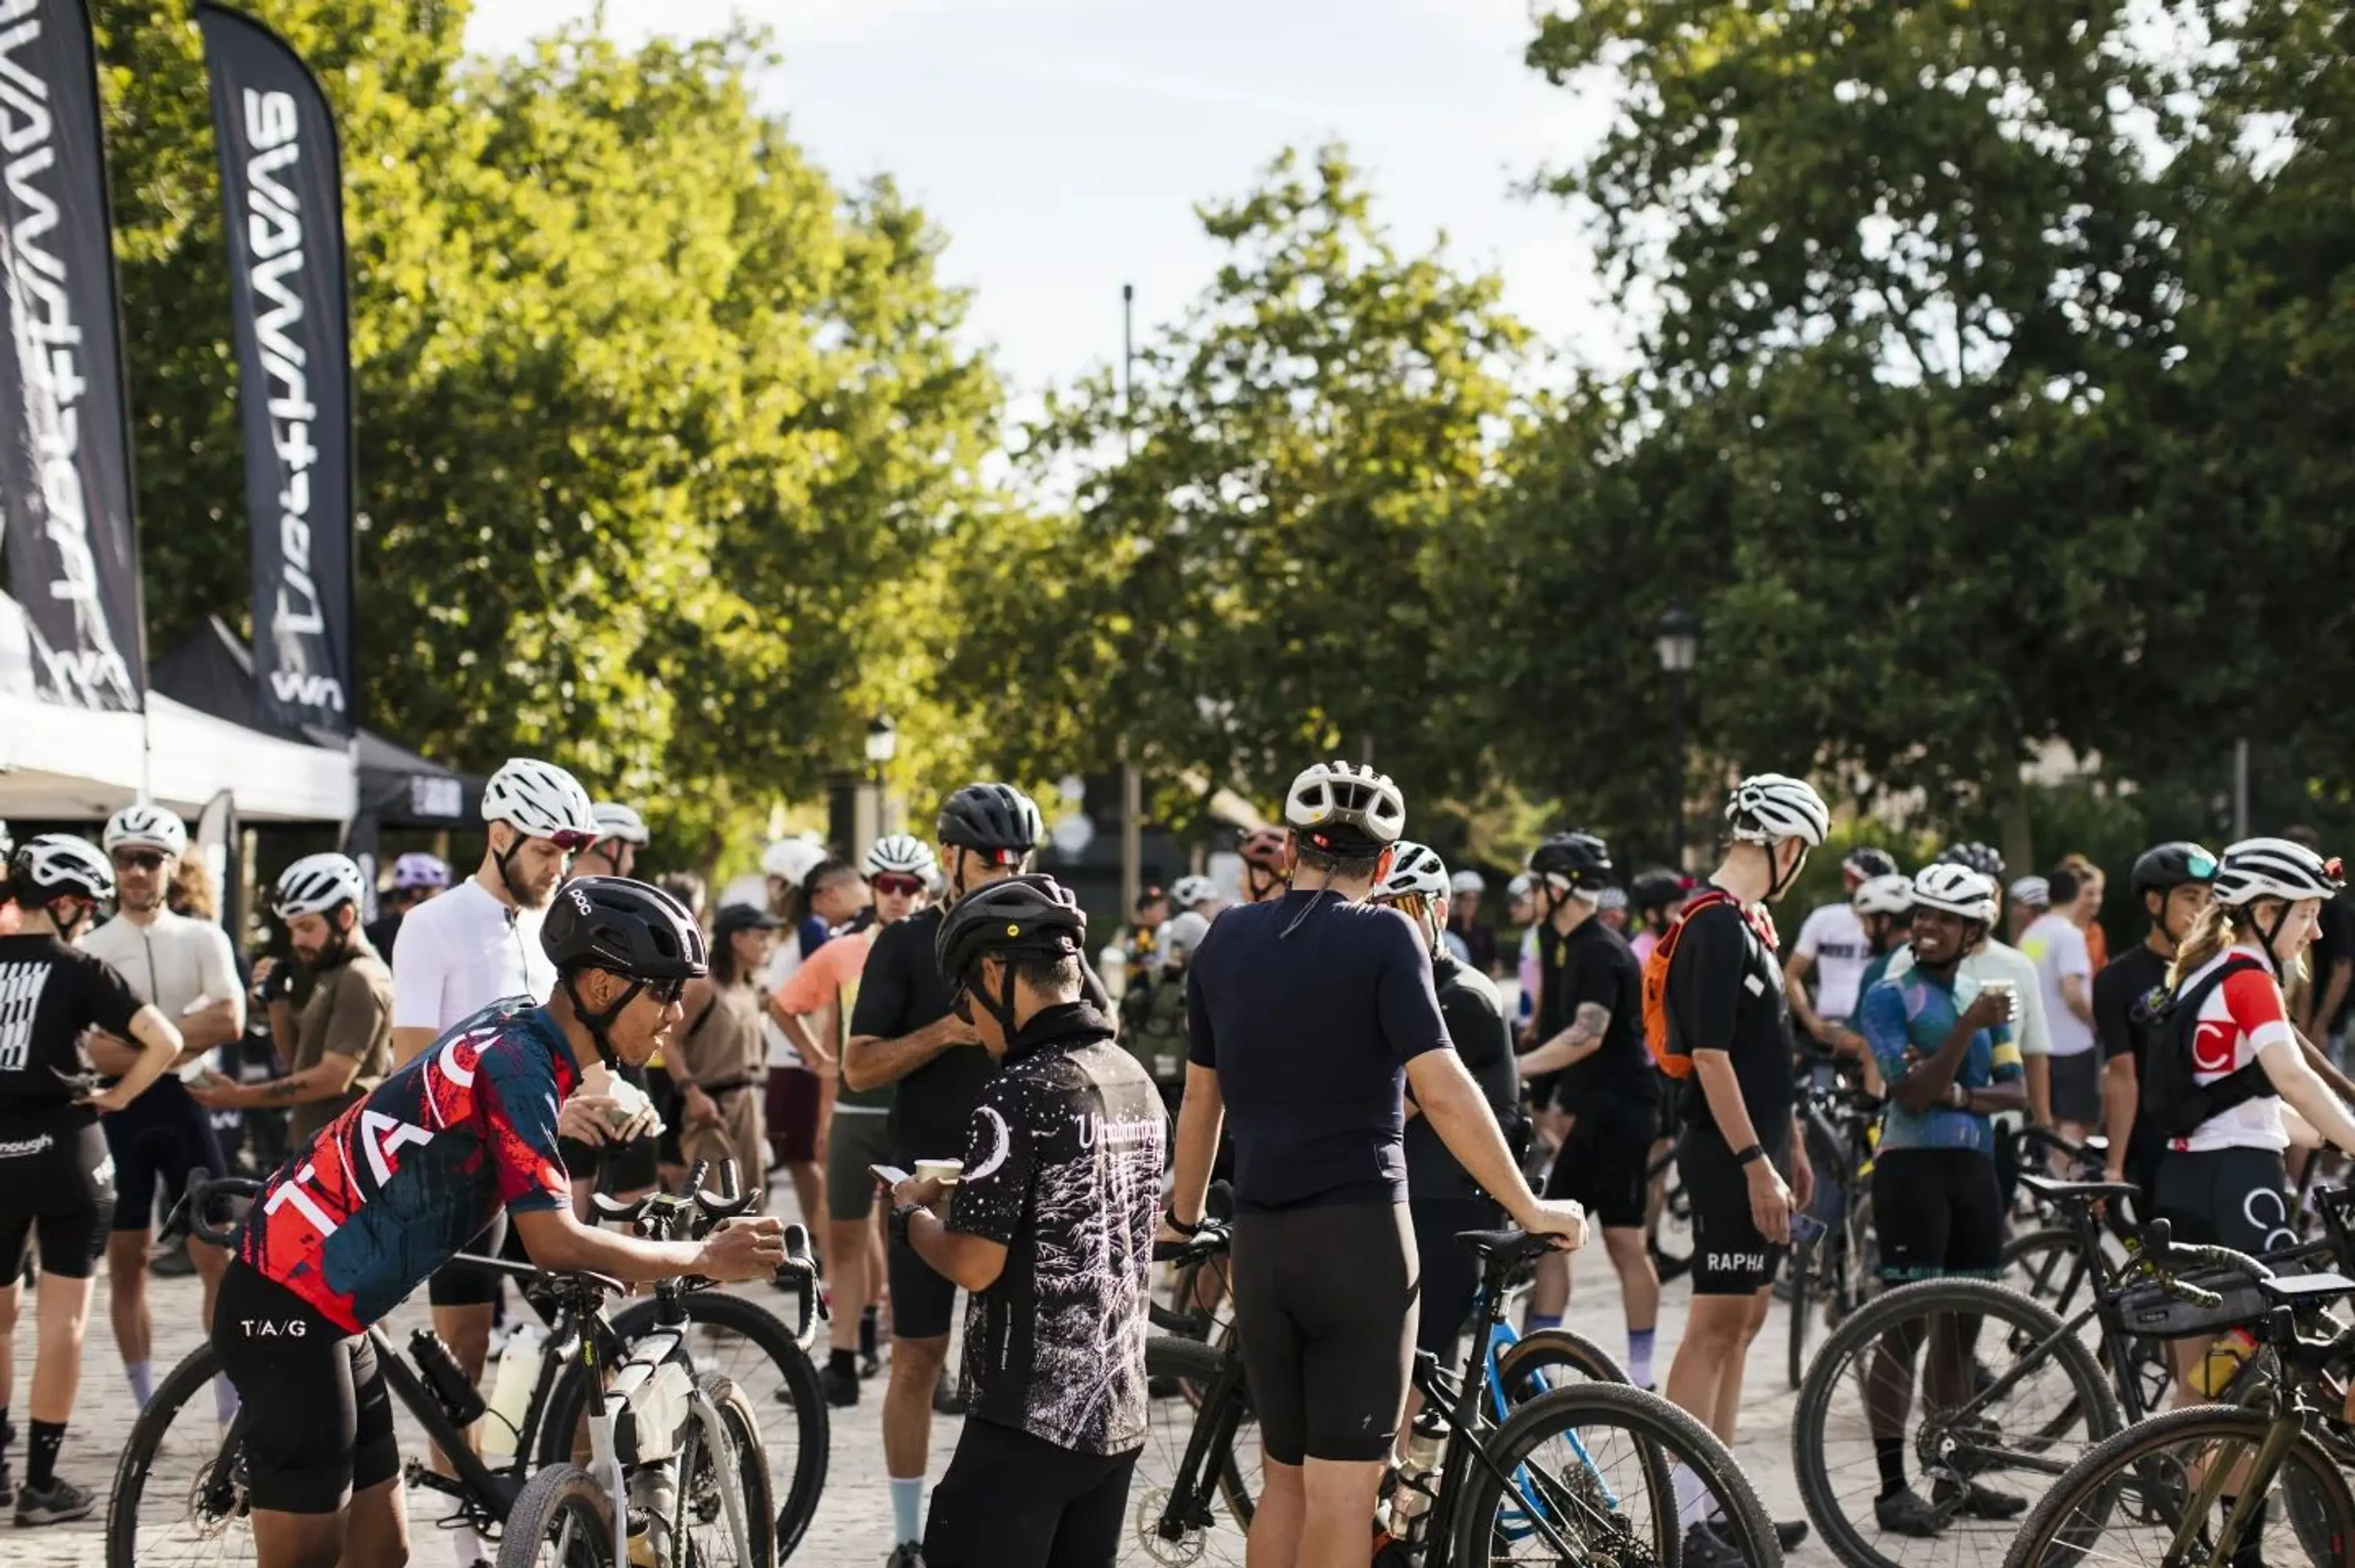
x,y
1678,644
882,745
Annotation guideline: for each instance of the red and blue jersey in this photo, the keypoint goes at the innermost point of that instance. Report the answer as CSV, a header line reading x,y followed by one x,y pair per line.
x,y
402,1180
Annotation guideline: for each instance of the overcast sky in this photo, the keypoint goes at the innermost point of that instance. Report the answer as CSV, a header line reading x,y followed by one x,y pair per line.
x,y
1063,143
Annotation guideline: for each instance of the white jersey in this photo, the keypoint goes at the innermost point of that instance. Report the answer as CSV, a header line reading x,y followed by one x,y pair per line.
x,y
1833,937
459,953
175,962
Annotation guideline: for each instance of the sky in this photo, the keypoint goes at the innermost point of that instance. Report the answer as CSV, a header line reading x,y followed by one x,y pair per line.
x,y
1062,145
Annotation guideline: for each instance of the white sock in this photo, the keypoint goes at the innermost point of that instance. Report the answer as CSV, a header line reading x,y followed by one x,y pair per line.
x,y
467,1545
1692,1497
224,1400
143,1380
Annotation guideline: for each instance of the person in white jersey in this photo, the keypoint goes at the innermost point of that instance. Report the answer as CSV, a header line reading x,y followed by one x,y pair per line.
x,y
460,953
1832,949
185,970
2055,943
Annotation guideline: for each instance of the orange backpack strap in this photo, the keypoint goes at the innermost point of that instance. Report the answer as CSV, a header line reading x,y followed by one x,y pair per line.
x,y
1659,1034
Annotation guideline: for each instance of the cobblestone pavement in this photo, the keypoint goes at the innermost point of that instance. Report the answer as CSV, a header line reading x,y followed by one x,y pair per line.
x,y
853,1524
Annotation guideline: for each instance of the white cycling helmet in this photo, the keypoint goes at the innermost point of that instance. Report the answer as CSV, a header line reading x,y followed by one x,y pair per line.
x,y
54,865
1956,890
792,859
540,800
2034,891
315,884
1766,808
1192,892
1181,935
616,820
1346,802
1883,895
1415,870
145,827
1470,883
903,853
1518,888
2274,868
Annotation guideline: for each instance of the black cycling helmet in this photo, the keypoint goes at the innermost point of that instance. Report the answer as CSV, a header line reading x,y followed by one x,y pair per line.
x,y
995,821
1656,889
1021,917
1984,859
1867,862
1580,859
628,928
2165,866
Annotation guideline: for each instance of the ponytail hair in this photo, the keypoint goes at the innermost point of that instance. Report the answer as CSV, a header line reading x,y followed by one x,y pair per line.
x,y
2219,926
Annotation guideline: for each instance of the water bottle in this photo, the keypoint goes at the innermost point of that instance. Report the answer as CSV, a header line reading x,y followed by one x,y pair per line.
x,y
448,1380
512,1386
653,1498
2215,1373
1411,1500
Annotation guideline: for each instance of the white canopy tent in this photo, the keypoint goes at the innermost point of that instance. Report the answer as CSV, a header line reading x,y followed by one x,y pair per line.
x,y
61,762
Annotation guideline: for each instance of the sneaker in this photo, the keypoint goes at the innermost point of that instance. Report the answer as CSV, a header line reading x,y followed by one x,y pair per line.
x,y
840,1388
1976,1501
54,1504
1788,1532
1704,1548
1906,1513
907,1554
172,1262
870,1364
7,1484
948,1400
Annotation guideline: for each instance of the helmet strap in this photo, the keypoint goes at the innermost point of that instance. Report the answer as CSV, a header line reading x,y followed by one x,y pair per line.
x,y
597,1023
2266,935
503,859
1779,882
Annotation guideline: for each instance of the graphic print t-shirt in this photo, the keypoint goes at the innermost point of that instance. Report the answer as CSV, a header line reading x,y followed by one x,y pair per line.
x,y
1063,1168
1833,937
400,1183
49,994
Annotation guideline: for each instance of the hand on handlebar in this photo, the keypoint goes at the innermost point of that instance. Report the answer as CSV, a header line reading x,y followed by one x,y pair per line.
x,y
742,1249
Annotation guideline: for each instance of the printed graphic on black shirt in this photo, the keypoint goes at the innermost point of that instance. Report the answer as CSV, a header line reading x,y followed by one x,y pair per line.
x,y
1063,1167
49,994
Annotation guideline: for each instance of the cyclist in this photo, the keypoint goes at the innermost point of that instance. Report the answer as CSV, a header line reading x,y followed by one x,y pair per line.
x,y
1944,1048
1196,895
1656,897
1522,908
794,1090
1611,910
1465,891
392,1189
1308,1016
187,970
1725,1007
1833,949
1441,1198
900,869
2321,1010
1885,906
340,1048
2055,943
1607,1091
905,1035
1267,864
832,894
2028,898
1551,1009
1051,1235
2171,883
1152,1012
57,1177
416,877
621,834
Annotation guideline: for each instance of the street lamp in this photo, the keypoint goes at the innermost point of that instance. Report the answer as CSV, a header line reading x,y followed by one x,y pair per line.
x,y
882,741
1677,642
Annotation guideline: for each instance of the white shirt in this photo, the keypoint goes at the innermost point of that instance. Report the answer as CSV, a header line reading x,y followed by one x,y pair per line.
x,y
459,953
1998,960
1833,937
177,964
2057,948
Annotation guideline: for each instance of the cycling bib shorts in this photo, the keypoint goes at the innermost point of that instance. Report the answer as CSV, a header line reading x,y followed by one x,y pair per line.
x,y
318,1417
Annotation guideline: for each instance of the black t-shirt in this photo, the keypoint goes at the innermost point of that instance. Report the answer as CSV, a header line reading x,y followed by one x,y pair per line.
x,y
1063,1166
1598,966
1725,993
50,993
1475,1014
2125,984
383,930
901,991
2334,942
1310,1026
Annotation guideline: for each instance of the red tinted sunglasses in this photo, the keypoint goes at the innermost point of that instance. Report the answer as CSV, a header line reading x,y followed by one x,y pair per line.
x,y
904,886
570,842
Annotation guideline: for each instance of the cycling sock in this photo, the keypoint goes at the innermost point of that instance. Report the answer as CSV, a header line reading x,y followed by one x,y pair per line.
x,y
1538,1320
1692,1496
41,1462
466,1544
8,1434
870,1325
143,1380
844,1361
1889,1453
908,1508
224,1400
1639,1357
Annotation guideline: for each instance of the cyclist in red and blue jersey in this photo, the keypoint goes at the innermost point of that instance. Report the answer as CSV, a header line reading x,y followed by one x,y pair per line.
x,y
393,1189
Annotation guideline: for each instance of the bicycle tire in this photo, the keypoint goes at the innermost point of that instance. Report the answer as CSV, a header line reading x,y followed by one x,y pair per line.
x,y
742,1425
1665,1436
560,1496
1860,1334
2322,1512
1194,1366
1802,1274
194,1373
1517,1368
799,1383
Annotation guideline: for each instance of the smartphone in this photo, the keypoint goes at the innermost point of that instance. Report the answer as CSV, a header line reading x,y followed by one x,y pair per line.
x,y
1805,1227
891,1176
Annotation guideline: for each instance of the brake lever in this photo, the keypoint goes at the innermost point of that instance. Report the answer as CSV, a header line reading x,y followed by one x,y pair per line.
x,y
799,1272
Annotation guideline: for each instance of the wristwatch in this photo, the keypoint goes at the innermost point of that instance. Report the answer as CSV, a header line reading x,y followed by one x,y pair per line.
x,y
1754,1152
901,1214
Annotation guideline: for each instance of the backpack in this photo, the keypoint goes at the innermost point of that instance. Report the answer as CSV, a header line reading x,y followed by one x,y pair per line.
x,y
1659,1035
2173,1105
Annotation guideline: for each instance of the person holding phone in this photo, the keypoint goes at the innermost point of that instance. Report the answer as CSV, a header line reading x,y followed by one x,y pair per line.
x,y
1943,1042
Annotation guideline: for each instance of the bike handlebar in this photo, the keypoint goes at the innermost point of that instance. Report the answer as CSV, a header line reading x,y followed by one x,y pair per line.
x,y
696,1202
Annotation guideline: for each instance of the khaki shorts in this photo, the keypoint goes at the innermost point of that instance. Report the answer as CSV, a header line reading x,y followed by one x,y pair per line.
x,y
855,1140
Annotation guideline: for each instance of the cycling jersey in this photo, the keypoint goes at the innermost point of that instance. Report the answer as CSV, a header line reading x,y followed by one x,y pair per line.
x,y
175,962
1997,961
2123,992
1309,1008
1725,993
1594,964
2238,1021
459,953
831,977
901,991
1907,1020
1474,1017
50,993
1833,937
401,1181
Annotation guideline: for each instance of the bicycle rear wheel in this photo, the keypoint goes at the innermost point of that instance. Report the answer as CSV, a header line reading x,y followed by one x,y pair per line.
x,y
179,1488
1801,1273
1191,1368
561,1519
1537,1364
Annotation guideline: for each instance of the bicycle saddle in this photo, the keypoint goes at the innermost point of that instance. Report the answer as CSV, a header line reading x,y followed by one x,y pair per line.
x,y
2053,1191
1507,1246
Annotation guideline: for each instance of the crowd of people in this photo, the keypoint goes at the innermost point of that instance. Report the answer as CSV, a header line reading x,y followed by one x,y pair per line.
x,y
1334,1044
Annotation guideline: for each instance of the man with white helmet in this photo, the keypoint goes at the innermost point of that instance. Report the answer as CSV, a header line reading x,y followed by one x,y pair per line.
x,y
1729,1040
57,1177
1311,1018
1196,894
621,834
186,969
340,1047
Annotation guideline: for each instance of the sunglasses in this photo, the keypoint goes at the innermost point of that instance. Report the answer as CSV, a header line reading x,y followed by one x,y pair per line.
x,y
143,860
666,991
570,842
905,887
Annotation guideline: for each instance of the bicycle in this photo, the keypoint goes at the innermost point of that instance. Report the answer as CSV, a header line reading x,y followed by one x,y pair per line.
x,y
1840,1265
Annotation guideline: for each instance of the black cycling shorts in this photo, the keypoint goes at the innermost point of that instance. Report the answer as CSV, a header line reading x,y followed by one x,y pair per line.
x,y
457,1283
633,1167
1450,1271
2076,1087
1730,1257
157,1139
923,1302
57,1190
1603,1162
2232,1197
1936,1211
1013,1500
1326,1309
318,1415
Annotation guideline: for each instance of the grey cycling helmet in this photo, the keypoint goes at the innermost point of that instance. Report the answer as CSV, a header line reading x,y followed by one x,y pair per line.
x,y
1345,809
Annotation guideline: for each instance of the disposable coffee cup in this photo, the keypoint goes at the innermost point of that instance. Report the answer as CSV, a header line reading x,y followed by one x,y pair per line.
x,y
2010,995
945,1171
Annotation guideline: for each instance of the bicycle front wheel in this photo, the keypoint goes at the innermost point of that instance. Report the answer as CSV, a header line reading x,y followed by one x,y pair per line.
x,y
1211,1509
2153,1494
705,1531
179,1488
561,1519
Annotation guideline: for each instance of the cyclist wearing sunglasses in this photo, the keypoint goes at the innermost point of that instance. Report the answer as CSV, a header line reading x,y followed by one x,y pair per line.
x,y
404,1179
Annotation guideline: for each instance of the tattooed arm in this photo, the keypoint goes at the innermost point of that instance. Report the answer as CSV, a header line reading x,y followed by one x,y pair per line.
x,y
1574,1045
324,1079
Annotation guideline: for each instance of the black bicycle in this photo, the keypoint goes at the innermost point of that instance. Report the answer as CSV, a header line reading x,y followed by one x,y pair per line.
x,y
1834,1270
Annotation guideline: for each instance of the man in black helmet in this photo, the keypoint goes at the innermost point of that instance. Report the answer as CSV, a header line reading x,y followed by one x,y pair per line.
x,y
399,1183
902,1031
1051,1231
